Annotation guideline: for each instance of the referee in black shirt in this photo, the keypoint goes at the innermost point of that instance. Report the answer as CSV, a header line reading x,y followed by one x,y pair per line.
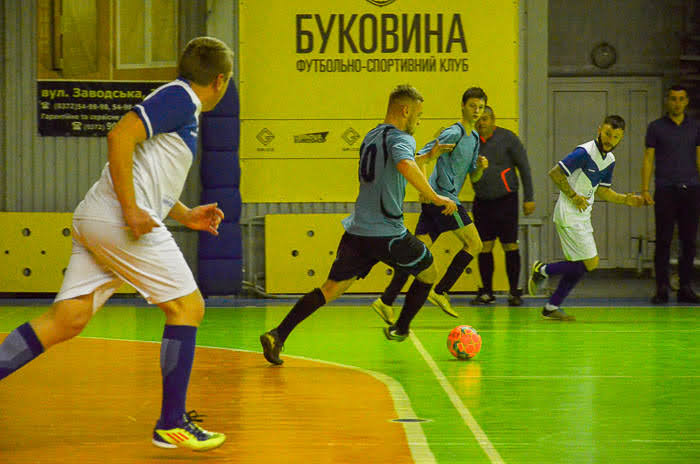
x,y
495,206
673,152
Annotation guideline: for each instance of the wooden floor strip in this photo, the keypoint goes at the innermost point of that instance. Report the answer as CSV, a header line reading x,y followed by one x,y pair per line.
x,y
96,400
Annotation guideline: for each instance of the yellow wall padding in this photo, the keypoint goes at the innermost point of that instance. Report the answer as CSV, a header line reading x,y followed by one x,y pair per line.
x,y
34,252
300,248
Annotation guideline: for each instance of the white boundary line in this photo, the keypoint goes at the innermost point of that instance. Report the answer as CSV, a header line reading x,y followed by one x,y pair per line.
x,y
463,411
417,442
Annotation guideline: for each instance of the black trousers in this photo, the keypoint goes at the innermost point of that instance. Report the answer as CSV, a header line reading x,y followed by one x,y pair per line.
x,y
678,204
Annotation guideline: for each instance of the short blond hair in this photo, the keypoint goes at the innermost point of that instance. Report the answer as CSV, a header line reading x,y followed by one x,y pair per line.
x,y
404,92
203,59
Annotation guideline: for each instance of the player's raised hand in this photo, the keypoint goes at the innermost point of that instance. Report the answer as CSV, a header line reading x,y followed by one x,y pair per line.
x,y
440,148
634,200
482,162
205,217
139,222
449,206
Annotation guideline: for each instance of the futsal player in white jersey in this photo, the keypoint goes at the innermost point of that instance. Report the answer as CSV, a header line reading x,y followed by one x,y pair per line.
x,y
119,236
584,173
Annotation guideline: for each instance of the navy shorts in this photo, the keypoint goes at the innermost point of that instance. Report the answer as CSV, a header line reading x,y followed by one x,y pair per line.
x,y
497,218
432,222
357,255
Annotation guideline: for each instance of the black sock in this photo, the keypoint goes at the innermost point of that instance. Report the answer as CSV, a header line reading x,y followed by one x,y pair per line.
x,y
394,288
513,269
486,271
415,298
457,266
303,308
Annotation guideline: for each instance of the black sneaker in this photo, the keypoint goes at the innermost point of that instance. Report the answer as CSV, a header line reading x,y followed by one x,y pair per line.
x,y
557,315
536,278
687,295
272,346
392,333
515,298
483,298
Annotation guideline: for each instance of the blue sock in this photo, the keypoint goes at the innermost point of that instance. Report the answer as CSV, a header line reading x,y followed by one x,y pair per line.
x,y
563,267
176,357
568,282
18,348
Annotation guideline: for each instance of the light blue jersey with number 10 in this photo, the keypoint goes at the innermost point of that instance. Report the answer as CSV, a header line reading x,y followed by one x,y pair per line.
x,y
379,205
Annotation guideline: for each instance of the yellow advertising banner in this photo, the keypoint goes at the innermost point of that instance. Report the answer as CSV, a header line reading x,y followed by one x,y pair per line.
x,y
315,76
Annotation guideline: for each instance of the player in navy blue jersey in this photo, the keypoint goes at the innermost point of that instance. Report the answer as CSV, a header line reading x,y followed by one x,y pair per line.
x,y
672,153
584,173
119,236
448,177
375,230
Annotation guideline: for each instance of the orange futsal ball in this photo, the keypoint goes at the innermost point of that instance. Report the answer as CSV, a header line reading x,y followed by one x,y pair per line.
x,y
464,342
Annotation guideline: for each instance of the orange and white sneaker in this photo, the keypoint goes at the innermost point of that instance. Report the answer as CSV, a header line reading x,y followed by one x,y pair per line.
x,y
188,435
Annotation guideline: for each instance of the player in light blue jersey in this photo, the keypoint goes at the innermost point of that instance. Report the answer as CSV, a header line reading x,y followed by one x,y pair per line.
x,y
375,230
119,236
448,178
584,173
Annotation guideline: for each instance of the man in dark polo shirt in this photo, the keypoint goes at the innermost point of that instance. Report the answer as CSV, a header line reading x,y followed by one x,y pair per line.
x,y
496,204
673,151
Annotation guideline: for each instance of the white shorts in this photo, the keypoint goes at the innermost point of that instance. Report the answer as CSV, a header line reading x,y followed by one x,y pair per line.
x,y
105,254
577,241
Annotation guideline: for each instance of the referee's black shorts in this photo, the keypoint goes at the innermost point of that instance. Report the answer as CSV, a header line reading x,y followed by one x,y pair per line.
x,y
497,218
357,255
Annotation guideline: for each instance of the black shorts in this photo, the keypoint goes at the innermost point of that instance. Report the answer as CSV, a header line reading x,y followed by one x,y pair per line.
x,y
357,255
432,222
497,218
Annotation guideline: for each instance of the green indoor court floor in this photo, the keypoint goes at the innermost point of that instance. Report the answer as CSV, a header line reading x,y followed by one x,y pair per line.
x,y
619,385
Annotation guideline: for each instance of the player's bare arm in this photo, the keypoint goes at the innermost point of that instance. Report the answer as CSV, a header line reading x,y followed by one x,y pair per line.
x,y
609,195
424,169
121,142
647,169
560,180
435,152
203,217
481,163
413,174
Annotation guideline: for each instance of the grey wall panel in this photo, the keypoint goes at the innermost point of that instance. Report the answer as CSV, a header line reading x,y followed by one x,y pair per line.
x,y
645,34
254,210
3,75
40,173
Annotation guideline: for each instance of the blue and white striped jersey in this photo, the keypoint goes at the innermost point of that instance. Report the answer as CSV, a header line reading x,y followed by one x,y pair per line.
x,y
586,169
170,115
